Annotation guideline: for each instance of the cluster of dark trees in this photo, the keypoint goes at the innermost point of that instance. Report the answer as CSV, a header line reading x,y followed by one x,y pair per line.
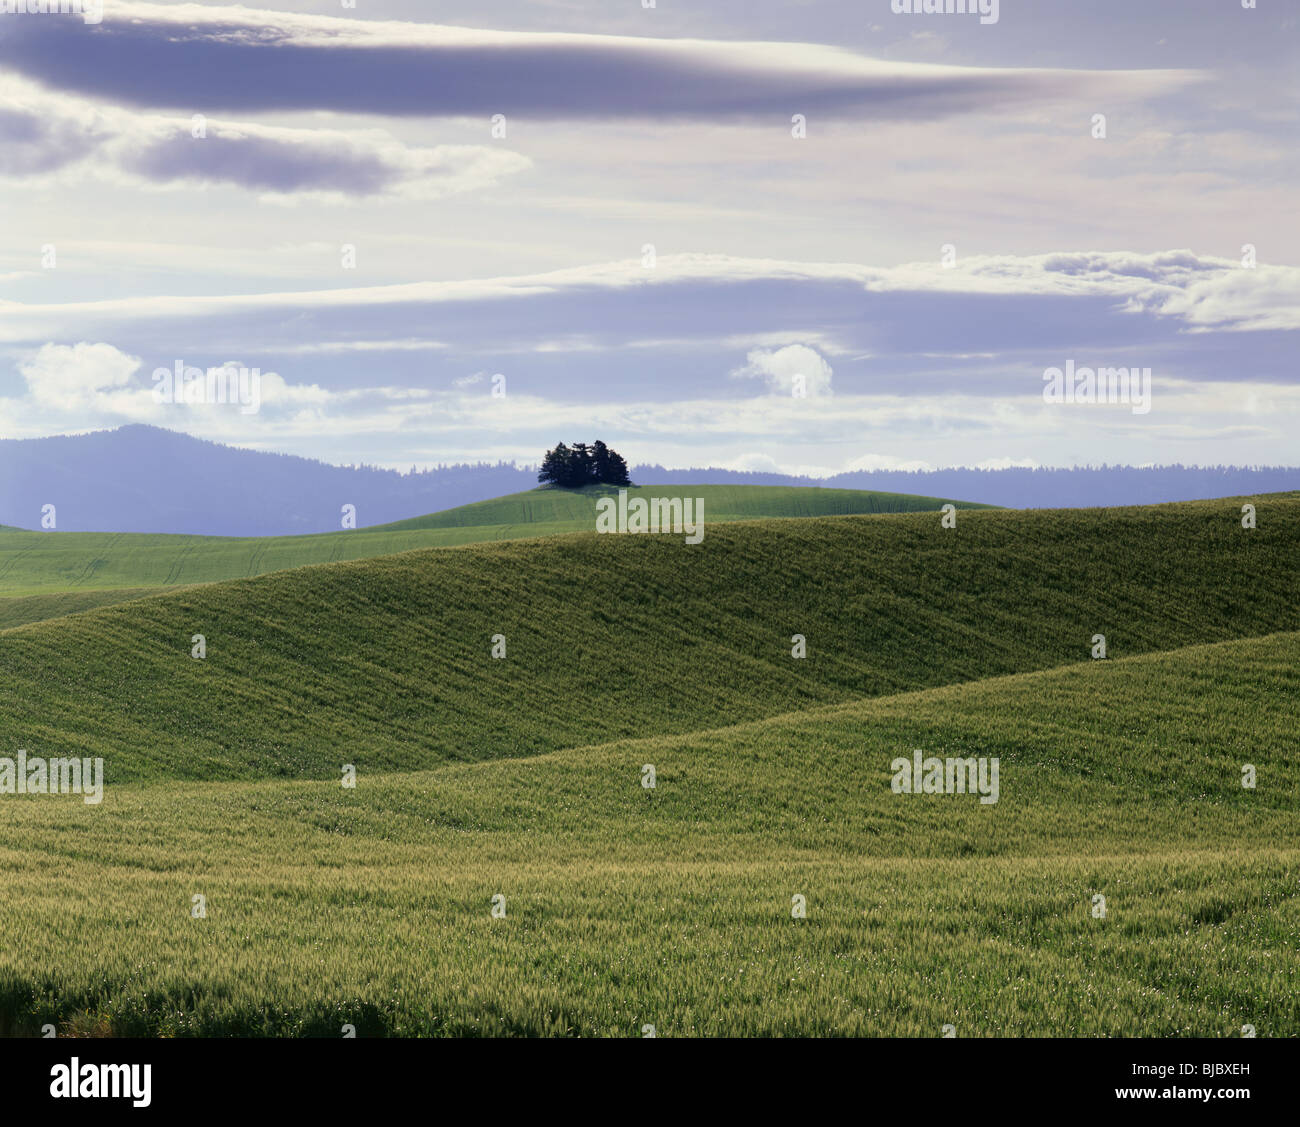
x,y
572,467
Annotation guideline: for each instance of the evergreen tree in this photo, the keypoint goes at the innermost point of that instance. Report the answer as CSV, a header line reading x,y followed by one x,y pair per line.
x,y
615,472
599,461
571,467
558,467
582,465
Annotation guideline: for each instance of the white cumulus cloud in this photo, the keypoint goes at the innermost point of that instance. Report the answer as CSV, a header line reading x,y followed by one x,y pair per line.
x,y
795,370
67,376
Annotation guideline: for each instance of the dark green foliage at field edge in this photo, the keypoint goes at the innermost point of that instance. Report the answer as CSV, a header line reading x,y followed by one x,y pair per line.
x,y
386,663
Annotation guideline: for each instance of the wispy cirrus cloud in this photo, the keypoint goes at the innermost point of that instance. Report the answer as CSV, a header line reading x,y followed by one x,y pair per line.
x,y
1196,291
42,134
167,55
1203,292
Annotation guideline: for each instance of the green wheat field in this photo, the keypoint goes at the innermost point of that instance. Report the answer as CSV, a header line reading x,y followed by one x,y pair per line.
x,y
1125,883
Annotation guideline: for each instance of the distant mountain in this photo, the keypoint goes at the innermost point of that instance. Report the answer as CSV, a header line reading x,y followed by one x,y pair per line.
x,y
146,479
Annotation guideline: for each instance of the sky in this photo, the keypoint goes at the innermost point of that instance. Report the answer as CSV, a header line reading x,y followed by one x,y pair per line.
x,y
808,236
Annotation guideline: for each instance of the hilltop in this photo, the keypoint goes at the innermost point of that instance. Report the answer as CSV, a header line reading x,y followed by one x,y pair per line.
x,y
572,510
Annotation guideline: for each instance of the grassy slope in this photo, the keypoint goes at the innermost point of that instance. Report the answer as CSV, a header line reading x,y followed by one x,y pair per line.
x,y
385,663
575,507
45,562
626,907
18,610
672,907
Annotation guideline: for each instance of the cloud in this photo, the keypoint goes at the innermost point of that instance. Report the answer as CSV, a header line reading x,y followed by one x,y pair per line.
x,y
340,347
867,332
240,59
1006,464
330,163
68,377
393,424
874,462
1203,291
970,309
1261,299
793,371
34,141
105,384
44,133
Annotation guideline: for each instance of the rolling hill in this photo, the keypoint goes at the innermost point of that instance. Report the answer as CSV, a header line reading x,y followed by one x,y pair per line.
x,y
627,906
387,661
46,563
